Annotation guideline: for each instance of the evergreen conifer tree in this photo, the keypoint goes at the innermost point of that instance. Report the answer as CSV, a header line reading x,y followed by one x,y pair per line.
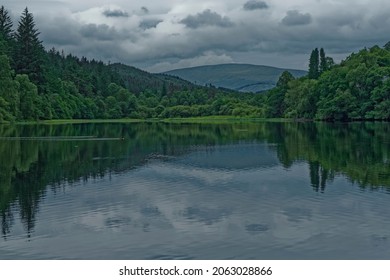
x,y
323,61
29,51
6,32
5,24
314,64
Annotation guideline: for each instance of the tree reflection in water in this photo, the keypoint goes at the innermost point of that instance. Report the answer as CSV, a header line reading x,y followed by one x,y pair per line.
x,y
34,160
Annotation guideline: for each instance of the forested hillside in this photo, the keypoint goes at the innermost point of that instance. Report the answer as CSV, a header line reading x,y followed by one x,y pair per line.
x,y
36,84
137,80
39,84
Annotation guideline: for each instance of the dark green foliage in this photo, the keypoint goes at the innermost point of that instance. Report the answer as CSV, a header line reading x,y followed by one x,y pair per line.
x,y
387,46
29,51
340,106
275,98
284,79
357,89
6,33
3,46
137,81
8,91
329,63
29,99
52,85
314,65
301,98
323,62
38,84
5,25
274,103
326,62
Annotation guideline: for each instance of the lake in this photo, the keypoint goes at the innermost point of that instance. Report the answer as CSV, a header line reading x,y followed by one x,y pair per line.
x,y
261,190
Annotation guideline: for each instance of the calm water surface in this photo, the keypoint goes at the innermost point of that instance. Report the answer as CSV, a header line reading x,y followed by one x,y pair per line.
x,y
175,191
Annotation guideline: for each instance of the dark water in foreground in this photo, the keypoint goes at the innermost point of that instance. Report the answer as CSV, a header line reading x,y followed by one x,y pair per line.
x,y
171,191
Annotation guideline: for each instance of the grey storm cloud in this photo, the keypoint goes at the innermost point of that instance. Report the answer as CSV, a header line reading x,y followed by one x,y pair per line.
x,y
255,5
50,31
115,13
294,17
206,18
101,32
149,23
94,34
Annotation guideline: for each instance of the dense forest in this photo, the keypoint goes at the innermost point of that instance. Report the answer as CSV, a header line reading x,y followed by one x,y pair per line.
x,y
356,89
39,84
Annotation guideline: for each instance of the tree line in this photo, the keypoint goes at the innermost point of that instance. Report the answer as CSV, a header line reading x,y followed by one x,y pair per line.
x,y
39,84
356,89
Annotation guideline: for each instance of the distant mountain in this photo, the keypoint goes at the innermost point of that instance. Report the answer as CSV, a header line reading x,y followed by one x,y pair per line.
x,y
240,77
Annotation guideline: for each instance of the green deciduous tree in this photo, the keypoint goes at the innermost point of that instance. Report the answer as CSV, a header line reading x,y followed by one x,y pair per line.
x,y
4,111
301,99
8,88
29,99
341,106
284,79
275,105
326,62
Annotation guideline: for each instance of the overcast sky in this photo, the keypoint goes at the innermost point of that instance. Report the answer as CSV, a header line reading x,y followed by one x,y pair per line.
x,y
160,35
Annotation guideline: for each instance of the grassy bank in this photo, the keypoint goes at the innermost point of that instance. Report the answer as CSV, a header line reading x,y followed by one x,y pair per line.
x,y
82,121
207,119
221,119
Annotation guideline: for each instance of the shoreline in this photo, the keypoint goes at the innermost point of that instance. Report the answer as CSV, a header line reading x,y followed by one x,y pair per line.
x,y
206,119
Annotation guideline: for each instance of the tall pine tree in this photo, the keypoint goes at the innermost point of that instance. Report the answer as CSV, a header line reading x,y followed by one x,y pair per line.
x,y
5,24
29,51
6,32
314,64
323,62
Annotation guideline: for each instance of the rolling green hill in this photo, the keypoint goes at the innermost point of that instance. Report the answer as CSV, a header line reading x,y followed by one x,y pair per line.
x,y
240,77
